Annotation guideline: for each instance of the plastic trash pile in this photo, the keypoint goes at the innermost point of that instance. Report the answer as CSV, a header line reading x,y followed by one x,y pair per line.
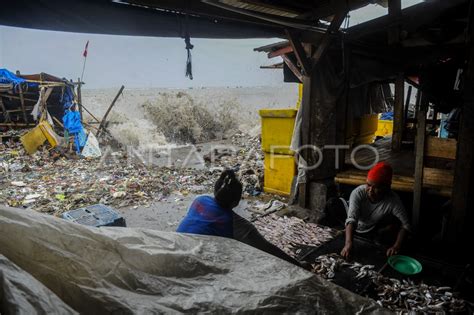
x,y
52,181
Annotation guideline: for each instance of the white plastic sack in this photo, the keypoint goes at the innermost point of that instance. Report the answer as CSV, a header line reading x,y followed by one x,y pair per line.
x,y
43,96
91,148
125,271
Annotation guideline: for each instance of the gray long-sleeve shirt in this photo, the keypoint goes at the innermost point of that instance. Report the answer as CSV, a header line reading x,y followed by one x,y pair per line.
x,y
364,214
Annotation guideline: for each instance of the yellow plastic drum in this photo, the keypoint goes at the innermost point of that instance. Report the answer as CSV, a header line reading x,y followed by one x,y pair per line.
x,y
279,172
385,128
277,130
365,128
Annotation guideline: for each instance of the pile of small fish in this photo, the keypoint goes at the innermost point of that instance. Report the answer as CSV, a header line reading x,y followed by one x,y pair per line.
x,y
288,233
391,293
406,295
327,265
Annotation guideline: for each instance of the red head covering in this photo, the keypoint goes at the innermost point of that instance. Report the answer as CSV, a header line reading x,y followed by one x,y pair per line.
x,y
381,173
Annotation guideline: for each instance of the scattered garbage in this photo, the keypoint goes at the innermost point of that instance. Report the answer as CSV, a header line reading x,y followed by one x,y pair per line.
x,y
61,180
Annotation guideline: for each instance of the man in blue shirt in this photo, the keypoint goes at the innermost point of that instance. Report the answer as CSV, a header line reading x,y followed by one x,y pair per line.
x,y
206,217
214,216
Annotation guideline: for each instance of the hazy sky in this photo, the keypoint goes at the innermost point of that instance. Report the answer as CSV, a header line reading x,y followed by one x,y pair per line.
x,y
136,61
146,61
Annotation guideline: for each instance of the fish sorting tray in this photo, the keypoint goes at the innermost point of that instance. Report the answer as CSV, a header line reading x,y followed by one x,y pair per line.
x,y
95,215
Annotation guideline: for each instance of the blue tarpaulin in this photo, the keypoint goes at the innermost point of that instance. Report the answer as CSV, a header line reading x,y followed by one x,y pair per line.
x,y
68,98
386,116
8,77
73,125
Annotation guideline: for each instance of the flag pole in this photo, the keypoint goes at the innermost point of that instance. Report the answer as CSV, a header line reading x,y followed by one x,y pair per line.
x,y
84,54
83,68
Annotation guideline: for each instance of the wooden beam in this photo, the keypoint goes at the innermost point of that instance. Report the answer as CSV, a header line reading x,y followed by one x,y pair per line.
x,y
281,51
92,115
19,110
299,53
435,181
273,66
326,40
419,159
394,14
104,119
58,122
292,67
17,97
398,113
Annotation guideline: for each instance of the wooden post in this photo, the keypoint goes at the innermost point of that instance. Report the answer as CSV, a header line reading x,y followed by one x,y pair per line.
x,y
398,113
419,159
104,120
6,115
463,188
22,102
407,105
305,130
79,97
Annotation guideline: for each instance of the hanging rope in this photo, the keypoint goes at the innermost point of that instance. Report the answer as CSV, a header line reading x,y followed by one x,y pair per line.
x,y
189,46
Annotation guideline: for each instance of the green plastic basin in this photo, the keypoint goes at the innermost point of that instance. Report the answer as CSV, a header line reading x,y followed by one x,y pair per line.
x,y
404,264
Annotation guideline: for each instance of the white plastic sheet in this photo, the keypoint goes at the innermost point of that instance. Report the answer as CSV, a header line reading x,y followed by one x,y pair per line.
x,y
125,271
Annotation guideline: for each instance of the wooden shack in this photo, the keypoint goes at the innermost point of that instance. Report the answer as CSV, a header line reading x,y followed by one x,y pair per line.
x,y
20,93
428,45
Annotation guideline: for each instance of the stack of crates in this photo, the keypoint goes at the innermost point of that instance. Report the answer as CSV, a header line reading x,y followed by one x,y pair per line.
x,y
280,164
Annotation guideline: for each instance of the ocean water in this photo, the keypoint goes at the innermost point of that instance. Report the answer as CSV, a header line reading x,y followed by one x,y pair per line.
x,y
145,118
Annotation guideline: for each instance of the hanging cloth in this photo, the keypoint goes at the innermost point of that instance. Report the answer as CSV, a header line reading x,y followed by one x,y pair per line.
x,y
189,68
189,46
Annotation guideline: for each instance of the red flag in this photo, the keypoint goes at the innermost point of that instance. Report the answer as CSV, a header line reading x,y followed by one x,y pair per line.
x,y
85,50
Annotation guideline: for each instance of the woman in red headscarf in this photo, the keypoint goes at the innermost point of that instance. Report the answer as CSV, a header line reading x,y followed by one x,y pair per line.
x,y
376,211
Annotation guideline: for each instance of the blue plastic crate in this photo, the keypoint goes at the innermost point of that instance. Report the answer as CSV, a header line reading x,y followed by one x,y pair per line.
x,y
95,215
